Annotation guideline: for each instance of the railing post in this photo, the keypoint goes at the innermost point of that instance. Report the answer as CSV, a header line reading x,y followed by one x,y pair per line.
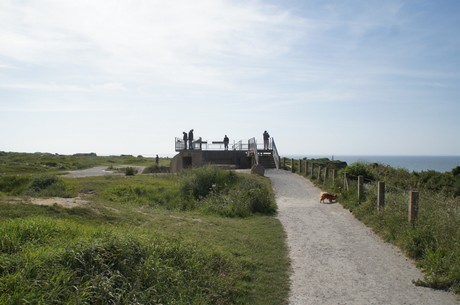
x,y
319,173
381,195
300,167
325,174
292,165
312,169
306,167
360,188
345,181
284,163
413,207
333,176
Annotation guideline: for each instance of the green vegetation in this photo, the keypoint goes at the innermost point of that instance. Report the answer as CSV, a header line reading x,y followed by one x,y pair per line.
x,y
434,241
25,163
204,236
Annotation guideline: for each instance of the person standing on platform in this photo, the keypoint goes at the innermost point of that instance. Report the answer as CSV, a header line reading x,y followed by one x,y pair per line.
x,y
226,140
190,139
185,138
266,140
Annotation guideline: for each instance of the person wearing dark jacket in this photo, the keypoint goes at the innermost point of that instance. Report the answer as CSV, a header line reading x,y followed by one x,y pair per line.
x,y
185,138
226,140
266,140
190,138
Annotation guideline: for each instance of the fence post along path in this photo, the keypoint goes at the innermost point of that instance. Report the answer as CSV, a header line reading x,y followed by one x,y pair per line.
x,y
338,260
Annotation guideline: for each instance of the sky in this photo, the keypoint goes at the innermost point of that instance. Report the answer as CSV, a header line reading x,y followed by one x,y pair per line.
x,y
354,77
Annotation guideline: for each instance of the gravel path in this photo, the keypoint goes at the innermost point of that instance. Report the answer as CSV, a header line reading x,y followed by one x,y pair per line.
x,y
338,260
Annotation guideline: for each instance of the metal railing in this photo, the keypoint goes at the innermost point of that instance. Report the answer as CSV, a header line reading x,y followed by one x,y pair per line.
x,y
276,156
252,149
201,144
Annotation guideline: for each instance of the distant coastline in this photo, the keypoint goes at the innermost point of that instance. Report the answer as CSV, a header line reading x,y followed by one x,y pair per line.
x,y
411,163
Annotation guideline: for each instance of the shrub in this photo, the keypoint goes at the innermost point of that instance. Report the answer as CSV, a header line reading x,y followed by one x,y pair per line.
x,y
130,171
152,169
13,184
357,169
47,186
227,194
197,183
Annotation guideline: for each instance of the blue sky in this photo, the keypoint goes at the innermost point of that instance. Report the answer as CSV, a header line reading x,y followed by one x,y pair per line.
x,y
357,77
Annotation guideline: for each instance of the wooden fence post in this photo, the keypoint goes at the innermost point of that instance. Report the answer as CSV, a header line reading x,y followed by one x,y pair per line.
x,y
292,165
300,167
360,188
345,181
381,195
413,207
325,174
312,168
333,177
306,168
319,173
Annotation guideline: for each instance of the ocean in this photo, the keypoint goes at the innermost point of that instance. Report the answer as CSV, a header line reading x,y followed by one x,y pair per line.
x,y
411,163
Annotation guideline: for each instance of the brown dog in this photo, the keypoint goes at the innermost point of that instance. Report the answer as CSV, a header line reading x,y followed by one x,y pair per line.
x,y
330,197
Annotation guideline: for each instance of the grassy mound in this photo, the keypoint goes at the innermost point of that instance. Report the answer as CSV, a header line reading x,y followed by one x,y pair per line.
x,y
62,262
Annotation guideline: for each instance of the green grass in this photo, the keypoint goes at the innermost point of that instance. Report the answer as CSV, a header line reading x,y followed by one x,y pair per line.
x,y
145,240
26,163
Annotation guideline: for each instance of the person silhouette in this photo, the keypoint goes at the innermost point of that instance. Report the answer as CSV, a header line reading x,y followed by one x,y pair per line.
x,y
190,138
185,138
266,140
226,140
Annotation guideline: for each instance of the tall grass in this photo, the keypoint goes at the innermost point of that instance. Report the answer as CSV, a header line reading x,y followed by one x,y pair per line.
x,y
55,262
225,193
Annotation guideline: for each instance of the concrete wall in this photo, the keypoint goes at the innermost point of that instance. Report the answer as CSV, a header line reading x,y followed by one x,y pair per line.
x,y
193,158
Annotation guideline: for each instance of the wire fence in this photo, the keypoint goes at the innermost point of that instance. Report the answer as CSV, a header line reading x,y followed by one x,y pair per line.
x,y
411,202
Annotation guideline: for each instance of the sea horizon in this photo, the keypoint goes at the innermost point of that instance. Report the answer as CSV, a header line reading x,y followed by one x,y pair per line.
x,y
415,163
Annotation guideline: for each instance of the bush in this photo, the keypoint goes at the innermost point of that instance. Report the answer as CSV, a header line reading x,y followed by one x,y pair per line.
x,y
130,171
357,169
48,186
224,193
153,169
197,183
13,184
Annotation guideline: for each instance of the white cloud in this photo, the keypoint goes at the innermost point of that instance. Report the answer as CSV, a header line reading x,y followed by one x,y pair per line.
x,y
198,42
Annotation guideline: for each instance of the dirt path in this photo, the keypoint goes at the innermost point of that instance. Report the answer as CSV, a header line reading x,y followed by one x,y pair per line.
x,y
338,260
99,171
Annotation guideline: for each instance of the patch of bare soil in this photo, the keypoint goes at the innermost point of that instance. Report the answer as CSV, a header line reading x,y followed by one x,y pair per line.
x,y
64,202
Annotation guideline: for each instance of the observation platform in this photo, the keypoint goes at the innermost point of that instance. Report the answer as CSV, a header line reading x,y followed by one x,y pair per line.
x,y
239,155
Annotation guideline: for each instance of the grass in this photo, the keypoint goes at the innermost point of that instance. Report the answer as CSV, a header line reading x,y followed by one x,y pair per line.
x,y
25,163
144,239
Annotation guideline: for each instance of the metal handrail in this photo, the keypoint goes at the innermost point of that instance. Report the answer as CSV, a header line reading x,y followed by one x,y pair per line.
x,y
252,147
276,156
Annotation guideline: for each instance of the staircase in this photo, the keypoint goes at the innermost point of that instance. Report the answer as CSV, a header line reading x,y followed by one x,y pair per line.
x,y
266,159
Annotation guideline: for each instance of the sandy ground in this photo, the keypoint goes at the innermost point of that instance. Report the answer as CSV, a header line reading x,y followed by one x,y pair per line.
x,y
338,260
100,171
64,202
